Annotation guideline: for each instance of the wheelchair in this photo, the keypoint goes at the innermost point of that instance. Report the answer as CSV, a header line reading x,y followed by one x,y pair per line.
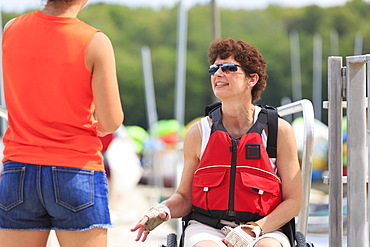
x,y
304,106
296,237
300,241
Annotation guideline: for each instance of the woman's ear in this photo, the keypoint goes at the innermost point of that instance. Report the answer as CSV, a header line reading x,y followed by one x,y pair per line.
x,y
252,79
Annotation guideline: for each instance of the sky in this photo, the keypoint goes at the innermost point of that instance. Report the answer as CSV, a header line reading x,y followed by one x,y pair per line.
x,y
22,5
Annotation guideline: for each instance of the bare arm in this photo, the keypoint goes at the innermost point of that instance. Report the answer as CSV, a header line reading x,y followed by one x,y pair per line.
x,y
289,171
100,61
180,203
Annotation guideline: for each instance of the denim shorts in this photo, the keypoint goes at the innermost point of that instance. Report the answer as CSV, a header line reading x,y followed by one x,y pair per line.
x,y
38,197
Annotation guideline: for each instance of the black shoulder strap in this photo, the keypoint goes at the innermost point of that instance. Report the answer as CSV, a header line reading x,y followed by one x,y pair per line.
x,y
211,107
214,112
272,121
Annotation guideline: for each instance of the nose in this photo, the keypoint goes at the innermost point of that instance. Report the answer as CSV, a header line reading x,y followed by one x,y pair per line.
x,y
219,71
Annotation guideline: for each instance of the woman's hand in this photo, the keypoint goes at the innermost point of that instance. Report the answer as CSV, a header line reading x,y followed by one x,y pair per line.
x,y
155,216
239,236
141,227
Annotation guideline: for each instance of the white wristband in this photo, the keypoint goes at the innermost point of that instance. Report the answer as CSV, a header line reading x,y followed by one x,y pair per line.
x,y
238,237
255,229
154,218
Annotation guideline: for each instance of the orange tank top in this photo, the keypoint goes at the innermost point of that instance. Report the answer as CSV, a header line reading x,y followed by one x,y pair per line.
x,y
48,93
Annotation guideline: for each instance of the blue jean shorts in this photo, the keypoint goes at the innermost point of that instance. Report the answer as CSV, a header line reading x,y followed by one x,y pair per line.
x,y
38,197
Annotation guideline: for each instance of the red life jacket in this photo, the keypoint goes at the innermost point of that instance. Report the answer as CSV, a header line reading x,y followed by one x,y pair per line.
x,y
234,180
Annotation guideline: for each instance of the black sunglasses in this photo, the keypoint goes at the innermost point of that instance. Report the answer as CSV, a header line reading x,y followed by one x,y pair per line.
x,y
226,68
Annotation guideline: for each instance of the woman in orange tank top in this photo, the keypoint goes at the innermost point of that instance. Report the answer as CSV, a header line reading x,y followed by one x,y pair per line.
x,y
61,93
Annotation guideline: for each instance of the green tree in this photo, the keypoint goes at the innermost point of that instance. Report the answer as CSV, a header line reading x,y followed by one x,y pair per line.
x,y
268,29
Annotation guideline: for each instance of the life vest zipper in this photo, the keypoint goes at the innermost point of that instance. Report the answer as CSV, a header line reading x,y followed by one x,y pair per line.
x,y
233,150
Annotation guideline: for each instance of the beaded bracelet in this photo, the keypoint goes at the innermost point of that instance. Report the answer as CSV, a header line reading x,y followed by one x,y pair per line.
x,y
255,224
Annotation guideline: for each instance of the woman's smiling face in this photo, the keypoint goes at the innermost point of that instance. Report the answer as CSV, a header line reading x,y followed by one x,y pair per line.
x,y
228,84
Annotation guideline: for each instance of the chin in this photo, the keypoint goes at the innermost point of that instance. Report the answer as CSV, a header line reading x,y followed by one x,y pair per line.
x,y
219,91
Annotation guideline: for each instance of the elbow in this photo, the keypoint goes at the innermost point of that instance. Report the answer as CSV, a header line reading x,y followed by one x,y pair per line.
x,y
298,209
120,119
112,124
116,122
297,206
294,204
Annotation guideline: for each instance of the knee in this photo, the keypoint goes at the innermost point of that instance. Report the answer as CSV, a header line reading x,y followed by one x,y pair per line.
x,y
206,243
268,242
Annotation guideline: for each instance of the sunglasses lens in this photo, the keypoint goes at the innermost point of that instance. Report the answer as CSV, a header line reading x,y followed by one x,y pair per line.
x,y
229,68
212,69
226,68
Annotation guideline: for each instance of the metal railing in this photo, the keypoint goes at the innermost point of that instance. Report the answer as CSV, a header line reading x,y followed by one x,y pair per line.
x,y
348,82
3,113
304,106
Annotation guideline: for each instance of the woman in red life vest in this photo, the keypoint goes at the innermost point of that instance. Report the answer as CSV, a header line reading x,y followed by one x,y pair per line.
x,y
61,92
233,190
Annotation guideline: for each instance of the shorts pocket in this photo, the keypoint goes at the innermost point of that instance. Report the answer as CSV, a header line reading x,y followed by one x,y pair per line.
x,y
73,188
11,186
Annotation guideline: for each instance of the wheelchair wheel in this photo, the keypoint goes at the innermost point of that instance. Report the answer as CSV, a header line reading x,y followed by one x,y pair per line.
x,y
172,240
301,240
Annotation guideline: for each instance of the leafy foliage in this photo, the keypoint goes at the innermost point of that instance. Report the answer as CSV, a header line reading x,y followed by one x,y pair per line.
x,y
132,28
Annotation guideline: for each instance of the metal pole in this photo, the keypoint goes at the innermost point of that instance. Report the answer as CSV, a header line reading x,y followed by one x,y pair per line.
x,y
152,117
295,66
182,33
3,113
216,23
181,64
368,138
335,158
151,107
317,75
358,44
285,101
356,154
334,43
216,27
308,115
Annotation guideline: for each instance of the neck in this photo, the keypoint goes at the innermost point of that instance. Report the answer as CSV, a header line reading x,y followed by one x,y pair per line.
x,y
237,118
61,9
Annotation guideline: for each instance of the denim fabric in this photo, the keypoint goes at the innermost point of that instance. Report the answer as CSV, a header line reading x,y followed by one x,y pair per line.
x,y
37,197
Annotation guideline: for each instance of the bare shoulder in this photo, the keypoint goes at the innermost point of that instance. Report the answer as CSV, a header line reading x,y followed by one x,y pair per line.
x,y
100,52
194,132
284,126
193,141
101,38
99,43
286,141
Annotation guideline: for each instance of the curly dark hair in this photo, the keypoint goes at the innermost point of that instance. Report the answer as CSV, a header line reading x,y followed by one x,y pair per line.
x,y
245,54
